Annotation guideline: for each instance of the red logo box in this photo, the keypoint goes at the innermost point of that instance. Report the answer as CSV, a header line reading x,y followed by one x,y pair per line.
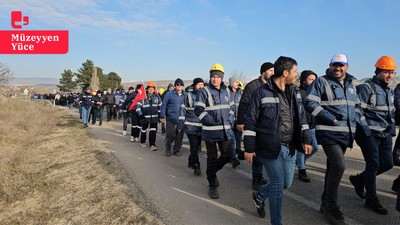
x,y
33,41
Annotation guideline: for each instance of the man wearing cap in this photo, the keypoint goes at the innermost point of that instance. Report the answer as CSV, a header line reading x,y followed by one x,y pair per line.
x,y
191,123
377,102
236,134
215,108
86,102
333,101
266,71
170,114
307,77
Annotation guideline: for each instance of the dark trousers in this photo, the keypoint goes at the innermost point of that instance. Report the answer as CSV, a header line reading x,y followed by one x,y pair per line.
x,y
378,159
126,116
335,166
97,114
110,109
195,147
173,135
215,163
136,125
152,133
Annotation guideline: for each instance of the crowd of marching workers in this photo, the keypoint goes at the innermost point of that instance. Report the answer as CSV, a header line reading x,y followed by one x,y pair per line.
x,y
281,126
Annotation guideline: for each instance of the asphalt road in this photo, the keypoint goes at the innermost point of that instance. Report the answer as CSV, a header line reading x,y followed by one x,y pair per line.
x,y
180,197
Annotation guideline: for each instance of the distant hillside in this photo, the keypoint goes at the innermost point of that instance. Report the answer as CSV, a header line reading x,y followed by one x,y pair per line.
x,y
33,80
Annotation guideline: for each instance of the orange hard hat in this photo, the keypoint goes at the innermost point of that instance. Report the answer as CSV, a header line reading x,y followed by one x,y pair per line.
x,y
386,63
151,84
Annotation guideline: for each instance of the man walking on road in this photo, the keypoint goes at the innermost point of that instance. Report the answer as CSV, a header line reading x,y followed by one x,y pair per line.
x,y
333,101
377,102
275,126
306,79
170,113
215,108
191,123
109,101
266,71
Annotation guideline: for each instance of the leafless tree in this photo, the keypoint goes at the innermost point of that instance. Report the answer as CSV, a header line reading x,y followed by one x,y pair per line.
x,y
6,74
237,74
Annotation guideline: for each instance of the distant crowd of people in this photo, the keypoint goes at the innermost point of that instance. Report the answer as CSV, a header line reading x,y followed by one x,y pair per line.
x,y
281,126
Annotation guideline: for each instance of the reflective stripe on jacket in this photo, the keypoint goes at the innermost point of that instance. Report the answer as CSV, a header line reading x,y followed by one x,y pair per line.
x,y
263,122
149,108
327,99
215,109
187,117
377,102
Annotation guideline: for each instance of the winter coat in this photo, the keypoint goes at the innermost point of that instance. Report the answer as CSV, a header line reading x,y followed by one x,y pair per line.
x,y
327,99
149,109
85,100
263,123
377,102
245,99
171,106
215,109
187,118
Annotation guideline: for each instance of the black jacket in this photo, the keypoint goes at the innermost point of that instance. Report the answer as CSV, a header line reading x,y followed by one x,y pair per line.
x,y
245,100
109,99
310,118
263,123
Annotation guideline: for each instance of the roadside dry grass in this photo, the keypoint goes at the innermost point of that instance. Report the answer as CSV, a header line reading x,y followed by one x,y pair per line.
x,y
52,172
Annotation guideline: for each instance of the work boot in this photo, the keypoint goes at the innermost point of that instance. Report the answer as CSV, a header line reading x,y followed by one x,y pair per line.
x,y
259,206
197,170
235,163
374,205
258,182
303,176
177,153
396,185
358,183
212,192
334,215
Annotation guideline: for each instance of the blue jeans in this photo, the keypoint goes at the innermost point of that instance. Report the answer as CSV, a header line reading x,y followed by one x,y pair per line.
x,y
85,115
378,159
280,175
301,157
236,140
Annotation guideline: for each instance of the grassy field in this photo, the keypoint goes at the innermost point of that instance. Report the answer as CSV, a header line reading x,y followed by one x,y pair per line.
x,y
53,172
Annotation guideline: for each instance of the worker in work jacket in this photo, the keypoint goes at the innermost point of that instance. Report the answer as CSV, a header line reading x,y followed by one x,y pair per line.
x,y
377,102
148,109
215,109
263,122
334,110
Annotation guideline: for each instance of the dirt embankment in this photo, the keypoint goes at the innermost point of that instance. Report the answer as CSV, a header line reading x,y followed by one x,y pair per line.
x,y
53,172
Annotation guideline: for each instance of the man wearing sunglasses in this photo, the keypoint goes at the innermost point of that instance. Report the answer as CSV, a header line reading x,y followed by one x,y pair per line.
x,y
333,101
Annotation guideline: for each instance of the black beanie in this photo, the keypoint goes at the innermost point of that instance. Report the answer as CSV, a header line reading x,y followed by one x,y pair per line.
x,y
266,66
197,80
179,81
305,74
